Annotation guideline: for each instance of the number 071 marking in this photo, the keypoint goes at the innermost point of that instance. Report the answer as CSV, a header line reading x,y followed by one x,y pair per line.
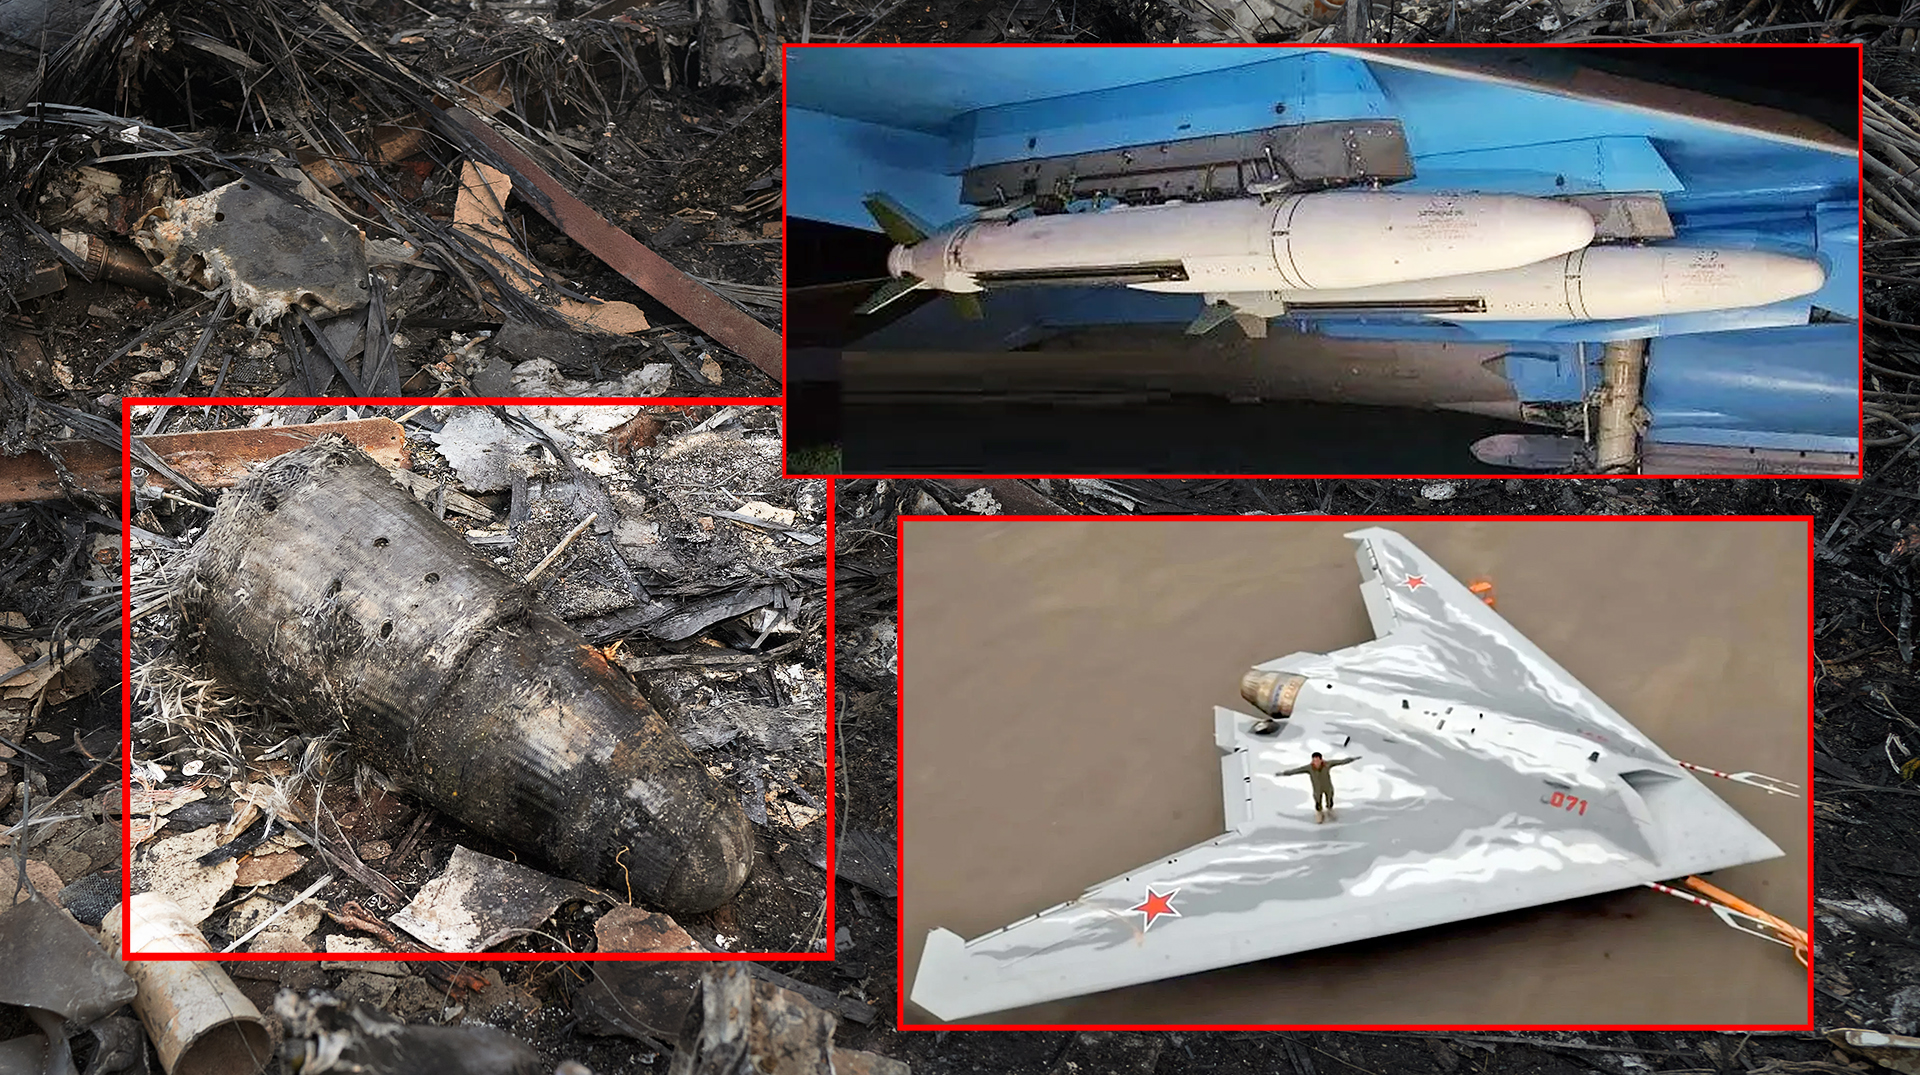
x,y
1569,802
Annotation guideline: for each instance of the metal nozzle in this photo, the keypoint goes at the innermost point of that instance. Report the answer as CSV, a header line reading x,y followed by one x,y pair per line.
x,y
109,263
1271,693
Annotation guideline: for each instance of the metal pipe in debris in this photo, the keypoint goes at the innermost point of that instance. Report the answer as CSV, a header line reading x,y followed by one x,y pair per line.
x,y
199,1021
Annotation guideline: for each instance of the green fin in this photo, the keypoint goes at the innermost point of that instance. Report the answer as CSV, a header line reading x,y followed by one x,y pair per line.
x,y
900,225
889,292
1212,317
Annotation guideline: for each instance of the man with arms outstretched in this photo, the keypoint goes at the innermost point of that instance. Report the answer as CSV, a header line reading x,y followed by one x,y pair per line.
x,y
1320,771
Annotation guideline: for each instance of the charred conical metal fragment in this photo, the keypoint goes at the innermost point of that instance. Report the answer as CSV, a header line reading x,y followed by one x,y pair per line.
x,y
325,588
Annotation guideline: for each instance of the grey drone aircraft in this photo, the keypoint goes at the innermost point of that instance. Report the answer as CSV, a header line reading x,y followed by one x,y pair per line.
x,y
1485,778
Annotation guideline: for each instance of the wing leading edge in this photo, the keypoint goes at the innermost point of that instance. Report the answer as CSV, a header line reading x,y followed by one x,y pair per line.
x,y
1488,779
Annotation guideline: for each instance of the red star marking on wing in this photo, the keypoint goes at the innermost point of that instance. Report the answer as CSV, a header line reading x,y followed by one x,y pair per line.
x,y
1157,905
1414,582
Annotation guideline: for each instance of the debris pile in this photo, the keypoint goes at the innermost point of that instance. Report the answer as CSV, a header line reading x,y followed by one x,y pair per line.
x,y
255,199
60,977
1892,360
79,1007
665,536
1863,791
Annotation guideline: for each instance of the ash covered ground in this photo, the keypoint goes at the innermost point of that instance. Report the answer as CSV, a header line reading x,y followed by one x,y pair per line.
x,y
323,138
1866,870
60,577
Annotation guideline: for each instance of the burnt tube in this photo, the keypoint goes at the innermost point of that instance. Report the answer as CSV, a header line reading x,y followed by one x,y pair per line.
x,y
325,588
1271,693
115,264
199,1021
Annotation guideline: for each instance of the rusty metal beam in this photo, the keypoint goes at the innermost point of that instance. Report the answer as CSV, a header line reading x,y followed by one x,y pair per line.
x,y
214,460
650,272
31,476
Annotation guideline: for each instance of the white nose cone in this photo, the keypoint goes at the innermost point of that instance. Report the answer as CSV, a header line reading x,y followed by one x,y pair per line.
x,y
1638,282
1532,224
1706,279
1595,284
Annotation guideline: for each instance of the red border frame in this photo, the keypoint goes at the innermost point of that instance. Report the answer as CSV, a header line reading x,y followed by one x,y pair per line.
x,y
900,969
127,405
1860,200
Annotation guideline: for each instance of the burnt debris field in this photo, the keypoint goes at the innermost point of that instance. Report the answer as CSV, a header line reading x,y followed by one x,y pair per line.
x,y
612,1021
156,161
583,540
254,199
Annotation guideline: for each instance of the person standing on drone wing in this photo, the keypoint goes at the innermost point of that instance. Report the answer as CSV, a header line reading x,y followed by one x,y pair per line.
x,y
1320,771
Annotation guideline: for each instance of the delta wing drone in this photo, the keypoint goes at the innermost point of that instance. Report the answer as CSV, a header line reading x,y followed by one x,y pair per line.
x,y
1486,779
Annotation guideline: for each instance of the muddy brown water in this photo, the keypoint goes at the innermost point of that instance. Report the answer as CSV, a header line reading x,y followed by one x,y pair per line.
x,y
1059,682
